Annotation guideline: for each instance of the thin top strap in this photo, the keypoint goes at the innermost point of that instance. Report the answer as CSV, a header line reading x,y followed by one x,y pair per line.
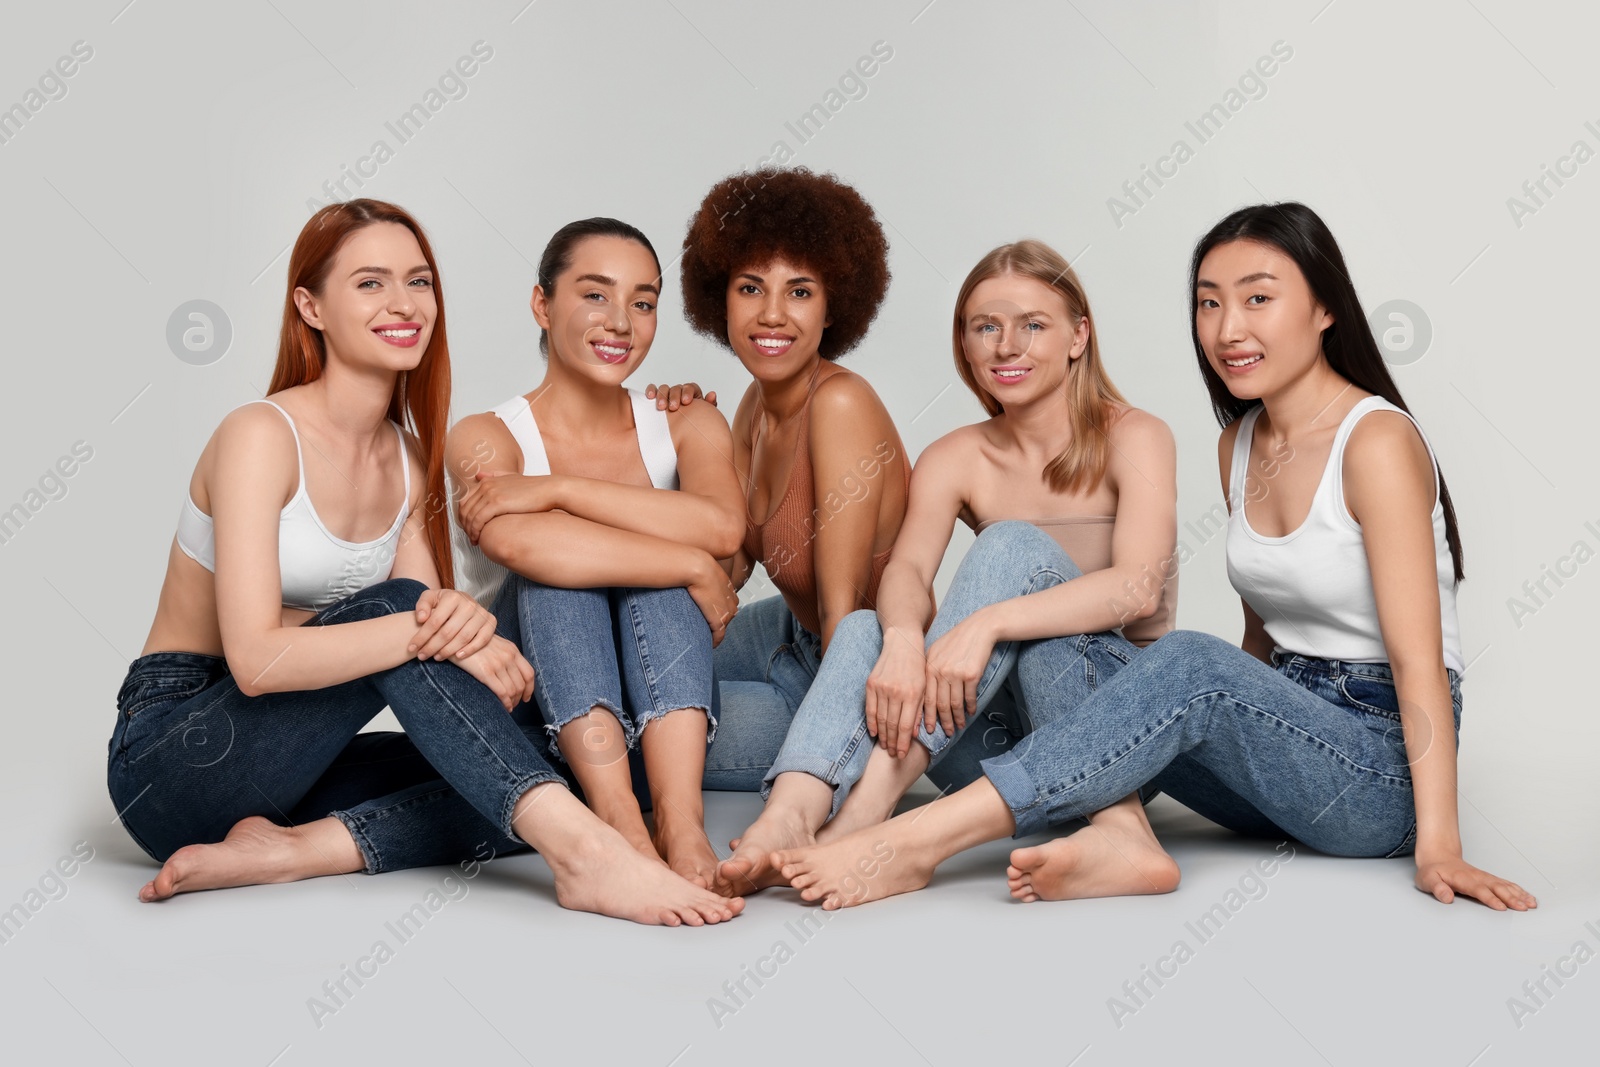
x,y
299,457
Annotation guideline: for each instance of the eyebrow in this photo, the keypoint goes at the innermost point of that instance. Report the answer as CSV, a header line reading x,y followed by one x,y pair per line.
x,y
792,281
1259,275
996,315
386,272
604,279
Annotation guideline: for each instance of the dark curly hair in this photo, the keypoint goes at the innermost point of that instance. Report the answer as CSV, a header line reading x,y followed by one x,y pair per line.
x,y
813,219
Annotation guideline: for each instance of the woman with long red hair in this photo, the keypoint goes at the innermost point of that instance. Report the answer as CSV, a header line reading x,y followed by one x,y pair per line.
x,y
303,595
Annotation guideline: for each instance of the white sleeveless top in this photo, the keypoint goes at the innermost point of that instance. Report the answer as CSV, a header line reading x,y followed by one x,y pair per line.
x,y
481,577
316,568
1312,587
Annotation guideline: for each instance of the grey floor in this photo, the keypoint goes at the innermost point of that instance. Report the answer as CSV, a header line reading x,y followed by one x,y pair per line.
x,y
1327,961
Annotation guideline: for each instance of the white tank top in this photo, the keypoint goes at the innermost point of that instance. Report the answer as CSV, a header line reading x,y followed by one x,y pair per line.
x,y
316,568
1312,586
481,577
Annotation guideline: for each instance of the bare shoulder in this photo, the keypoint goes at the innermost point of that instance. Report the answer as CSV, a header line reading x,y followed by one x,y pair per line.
x,y
1386,439
845,394
698,417
1136,428
745,412
954,451
254,433
480,442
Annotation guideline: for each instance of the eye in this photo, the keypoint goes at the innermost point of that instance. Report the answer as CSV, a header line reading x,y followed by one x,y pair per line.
x,y
594,296
800,291
749,290
1035,326
422,283
366,282
986,327
1207,302
644,305
1258,296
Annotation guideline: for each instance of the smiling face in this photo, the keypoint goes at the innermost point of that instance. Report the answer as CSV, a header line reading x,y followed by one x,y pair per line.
x,y
1259,324
377,306
601,318
776,314
1019,338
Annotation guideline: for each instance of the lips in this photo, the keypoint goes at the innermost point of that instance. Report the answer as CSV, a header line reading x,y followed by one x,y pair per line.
x,y
772,344
400,334
610,351
1241,362
1009,375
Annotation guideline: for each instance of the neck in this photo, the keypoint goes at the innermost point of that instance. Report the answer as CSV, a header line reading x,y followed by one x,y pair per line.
x,y
351,403
1042,428
577,405
782,399
1305,405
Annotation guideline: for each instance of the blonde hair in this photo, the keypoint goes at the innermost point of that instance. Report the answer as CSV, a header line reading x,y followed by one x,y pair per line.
x,y
1090,394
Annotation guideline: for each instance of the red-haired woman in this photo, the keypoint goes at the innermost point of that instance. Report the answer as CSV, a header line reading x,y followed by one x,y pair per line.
x,y
304,594
787,269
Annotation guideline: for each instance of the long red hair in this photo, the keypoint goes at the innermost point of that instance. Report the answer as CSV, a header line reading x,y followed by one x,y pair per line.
x,y
421,400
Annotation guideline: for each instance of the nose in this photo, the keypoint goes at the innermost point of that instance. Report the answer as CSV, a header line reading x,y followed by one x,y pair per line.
x,y
772,310
1007,345
1230,324
402,302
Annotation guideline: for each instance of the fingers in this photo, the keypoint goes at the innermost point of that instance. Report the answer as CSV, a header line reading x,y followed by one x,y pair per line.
x,y
451,620
711,398
426,603
872,710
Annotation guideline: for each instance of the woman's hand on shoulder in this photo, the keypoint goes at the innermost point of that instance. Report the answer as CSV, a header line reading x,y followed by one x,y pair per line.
x,y
672,397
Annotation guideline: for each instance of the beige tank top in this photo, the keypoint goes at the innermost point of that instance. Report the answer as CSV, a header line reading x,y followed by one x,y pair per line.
x,y
1087,539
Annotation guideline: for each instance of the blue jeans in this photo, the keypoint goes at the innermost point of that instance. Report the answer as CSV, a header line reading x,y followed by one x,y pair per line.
x,y
764,667
1306,748
829,738
191,755
639,653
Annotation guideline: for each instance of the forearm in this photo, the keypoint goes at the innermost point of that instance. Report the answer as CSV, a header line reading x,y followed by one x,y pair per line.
x,y
672,515
1088,604
837,596
1427,718
571,552
904,603
292,658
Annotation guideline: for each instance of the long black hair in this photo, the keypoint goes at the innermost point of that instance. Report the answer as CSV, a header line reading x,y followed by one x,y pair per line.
x,y
558,253
1348,344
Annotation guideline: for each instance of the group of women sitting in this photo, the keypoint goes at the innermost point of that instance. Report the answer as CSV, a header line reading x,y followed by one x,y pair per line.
x,y
550,605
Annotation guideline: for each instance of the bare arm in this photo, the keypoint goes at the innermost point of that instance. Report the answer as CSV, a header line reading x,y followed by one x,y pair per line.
x,y
855,458
253,473
706,511
1389,487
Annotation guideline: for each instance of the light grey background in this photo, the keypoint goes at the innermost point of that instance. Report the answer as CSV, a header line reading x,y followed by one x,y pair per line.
x,y
178,166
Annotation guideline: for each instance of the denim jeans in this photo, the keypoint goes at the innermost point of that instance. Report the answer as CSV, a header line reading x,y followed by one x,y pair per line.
x,y
829,738
191,755
640,653
763,667
1306,748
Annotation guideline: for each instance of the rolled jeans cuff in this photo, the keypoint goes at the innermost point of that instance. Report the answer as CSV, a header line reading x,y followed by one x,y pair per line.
x,y
819,768
1016,787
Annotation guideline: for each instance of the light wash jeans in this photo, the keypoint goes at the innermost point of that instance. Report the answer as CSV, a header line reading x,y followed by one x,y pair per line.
x,y
764,668
1306,748
829,738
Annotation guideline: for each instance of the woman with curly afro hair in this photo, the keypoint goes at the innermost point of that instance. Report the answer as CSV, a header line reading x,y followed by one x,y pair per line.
x,y
787,268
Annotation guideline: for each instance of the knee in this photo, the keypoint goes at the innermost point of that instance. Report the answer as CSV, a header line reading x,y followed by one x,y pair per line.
x,y
390,597
1013,543
862,623
1010,536
1188,647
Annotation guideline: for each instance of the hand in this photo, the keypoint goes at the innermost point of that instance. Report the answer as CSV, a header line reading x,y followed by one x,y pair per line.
x,y
503,493
714,594
502,667
672,397
955,663
1443,878
894,691
452,625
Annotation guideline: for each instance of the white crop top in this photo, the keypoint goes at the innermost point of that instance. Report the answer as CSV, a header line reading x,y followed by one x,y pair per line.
x,y
481,577
1312,587
316,568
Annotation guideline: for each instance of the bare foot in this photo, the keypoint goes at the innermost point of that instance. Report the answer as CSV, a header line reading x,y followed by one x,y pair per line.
x,y
257,852
870,864
750,867
1097,861
687,851
872,799
603,873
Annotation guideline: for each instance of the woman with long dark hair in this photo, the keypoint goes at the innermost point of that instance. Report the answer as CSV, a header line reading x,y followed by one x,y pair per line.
x,y
1335,722
303,595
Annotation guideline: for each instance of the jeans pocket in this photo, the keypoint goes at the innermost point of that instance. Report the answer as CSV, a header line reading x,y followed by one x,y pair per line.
x,y
1372,695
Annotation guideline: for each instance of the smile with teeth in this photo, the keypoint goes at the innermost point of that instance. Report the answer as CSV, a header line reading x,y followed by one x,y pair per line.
x,y
409,331
614,351
1010,373
773,342
1243,361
